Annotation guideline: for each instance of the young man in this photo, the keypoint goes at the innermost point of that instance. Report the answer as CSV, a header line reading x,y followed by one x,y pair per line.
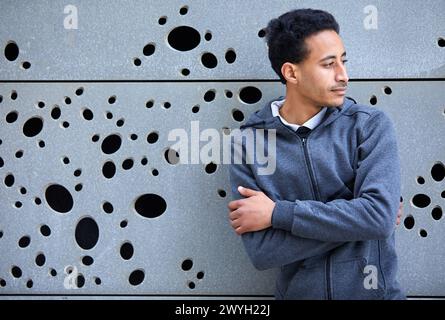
x,y
326,216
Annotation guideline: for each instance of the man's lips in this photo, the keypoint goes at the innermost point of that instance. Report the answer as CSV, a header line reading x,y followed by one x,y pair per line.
x,y
341,90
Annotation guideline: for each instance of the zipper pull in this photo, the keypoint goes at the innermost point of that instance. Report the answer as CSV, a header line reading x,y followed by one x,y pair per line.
x,y
303,140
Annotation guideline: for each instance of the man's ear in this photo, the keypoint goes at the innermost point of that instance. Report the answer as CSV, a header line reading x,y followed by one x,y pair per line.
x,y
290,72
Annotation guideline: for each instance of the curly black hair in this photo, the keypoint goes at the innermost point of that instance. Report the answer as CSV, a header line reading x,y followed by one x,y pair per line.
x,y
285,35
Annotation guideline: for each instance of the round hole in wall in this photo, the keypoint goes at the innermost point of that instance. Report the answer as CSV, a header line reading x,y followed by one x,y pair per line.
x,y
185,72
436,213
11,51
438,171
210,168
209,60
149,104
59,198
152,137
55,113
187,264
409,222
87,233
237,115
150,205
45,230
184,38
87,114
16,272
87,260
26,65
149,49
136,277
262,33
250,95
9,180
40,259
195,109
107,207
111,144
183,10
95,138
32,127
230,56
387,90
209,96
12,116
109,169
127,251
127,164
421,200
24,241
79,91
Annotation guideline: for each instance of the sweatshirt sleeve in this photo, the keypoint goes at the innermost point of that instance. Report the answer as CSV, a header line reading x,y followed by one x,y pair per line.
x,y
372,213
271,248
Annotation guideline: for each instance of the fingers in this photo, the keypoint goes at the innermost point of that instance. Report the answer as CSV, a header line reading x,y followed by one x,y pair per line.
x,y
235,223
246,192
239,231
233,205
235,214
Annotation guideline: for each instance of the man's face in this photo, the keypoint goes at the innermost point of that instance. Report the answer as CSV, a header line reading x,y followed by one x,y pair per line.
x,y
323,78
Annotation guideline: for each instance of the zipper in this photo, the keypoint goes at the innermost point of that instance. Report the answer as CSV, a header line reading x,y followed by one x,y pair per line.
x,y
315,191
328,276
311,174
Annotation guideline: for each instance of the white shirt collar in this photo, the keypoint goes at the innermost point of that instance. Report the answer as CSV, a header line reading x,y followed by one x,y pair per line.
x,y
311,123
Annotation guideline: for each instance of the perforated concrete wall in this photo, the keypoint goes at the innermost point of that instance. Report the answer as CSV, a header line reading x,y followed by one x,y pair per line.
x,y
93,201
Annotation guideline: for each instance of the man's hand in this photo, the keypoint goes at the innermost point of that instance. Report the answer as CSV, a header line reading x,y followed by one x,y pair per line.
x,y
399,213
253,213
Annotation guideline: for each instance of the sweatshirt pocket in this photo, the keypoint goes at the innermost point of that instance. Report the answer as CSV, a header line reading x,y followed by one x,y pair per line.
x,y
356,280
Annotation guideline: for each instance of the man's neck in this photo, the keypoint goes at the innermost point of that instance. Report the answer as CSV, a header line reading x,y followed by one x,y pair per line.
x,y
297,110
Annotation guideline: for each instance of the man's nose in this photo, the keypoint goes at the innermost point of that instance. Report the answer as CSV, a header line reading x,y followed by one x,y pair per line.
x,y
342,75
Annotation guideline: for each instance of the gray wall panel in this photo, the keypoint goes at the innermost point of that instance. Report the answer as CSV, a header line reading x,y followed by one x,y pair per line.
x,y
194,224
112,33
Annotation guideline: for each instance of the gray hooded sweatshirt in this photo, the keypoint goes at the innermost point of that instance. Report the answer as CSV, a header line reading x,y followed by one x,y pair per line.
x,y
336,196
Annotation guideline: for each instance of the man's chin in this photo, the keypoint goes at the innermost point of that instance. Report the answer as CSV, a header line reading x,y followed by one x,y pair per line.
x,y
335,103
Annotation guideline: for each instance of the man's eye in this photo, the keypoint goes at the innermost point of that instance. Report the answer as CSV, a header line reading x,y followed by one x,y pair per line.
x,y
344,61
329,64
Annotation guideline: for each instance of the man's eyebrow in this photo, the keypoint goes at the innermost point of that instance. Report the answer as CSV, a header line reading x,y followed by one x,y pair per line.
x,y
332,57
